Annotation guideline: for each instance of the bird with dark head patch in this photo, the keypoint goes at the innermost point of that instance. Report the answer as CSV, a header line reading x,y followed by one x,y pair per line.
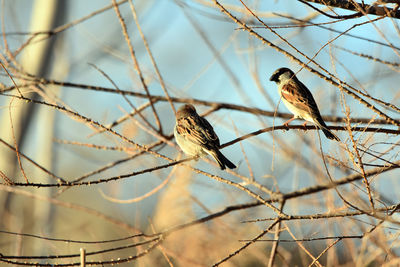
x,y
299,100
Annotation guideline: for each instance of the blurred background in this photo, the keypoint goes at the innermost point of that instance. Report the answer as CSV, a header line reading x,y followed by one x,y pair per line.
x,y
76,82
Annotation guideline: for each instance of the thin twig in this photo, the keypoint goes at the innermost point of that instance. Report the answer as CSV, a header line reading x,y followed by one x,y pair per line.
x,y
153,62
136,63
236,252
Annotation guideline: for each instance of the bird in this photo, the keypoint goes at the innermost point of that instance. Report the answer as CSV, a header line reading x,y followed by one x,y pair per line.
x,y
196,137
299,100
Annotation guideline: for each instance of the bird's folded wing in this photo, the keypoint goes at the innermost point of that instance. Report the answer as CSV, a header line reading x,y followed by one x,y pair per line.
x,y
197,131
299,97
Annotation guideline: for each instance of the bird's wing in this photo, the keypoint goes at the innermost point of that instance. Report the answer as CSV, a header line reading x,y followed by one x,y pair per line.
x,y
198,131
209,131
299,96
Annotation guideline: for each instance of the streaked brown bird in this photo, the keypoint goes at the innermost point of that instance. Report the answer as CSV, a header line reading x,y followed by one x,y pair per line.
x,y
196,137
299,100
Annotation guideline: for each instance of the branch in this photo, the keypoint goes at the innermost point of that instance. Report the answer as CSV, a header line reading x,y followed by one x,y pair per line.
x,y
367,9
195,101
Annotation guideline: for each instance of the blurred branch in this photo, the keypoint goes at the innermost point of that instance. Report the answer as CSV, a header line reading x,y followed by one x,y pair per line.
x,y
302,247
70,206
360,164
275,245
59,29
236,252
144,196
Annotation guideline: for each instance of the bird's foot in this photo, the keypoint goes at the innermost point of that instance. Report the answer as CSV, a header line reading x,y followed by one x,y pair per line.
x,y
286,124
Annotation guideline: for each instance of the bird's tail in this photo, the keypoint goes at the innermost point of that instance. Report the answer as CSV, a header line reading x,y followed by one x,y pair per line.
x,y
222,160
328,133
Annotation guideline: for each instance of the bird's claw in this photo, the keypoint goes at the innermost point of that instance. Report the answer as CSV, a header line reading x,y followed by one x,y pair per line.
x,y
286,125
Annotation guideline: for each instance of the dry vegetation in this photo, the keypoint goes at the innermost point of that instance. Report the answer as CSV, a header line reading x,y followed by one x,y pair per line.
x,y
90,172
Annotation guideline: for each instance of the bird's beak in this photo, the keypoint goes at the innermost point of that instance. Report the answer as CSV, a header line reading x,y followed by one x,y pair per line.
x,y
273,78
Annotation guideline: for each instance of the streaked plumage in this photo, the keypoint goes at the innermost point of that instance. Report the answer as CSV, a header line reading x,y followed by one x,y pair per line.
x,y
299,100
196,137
